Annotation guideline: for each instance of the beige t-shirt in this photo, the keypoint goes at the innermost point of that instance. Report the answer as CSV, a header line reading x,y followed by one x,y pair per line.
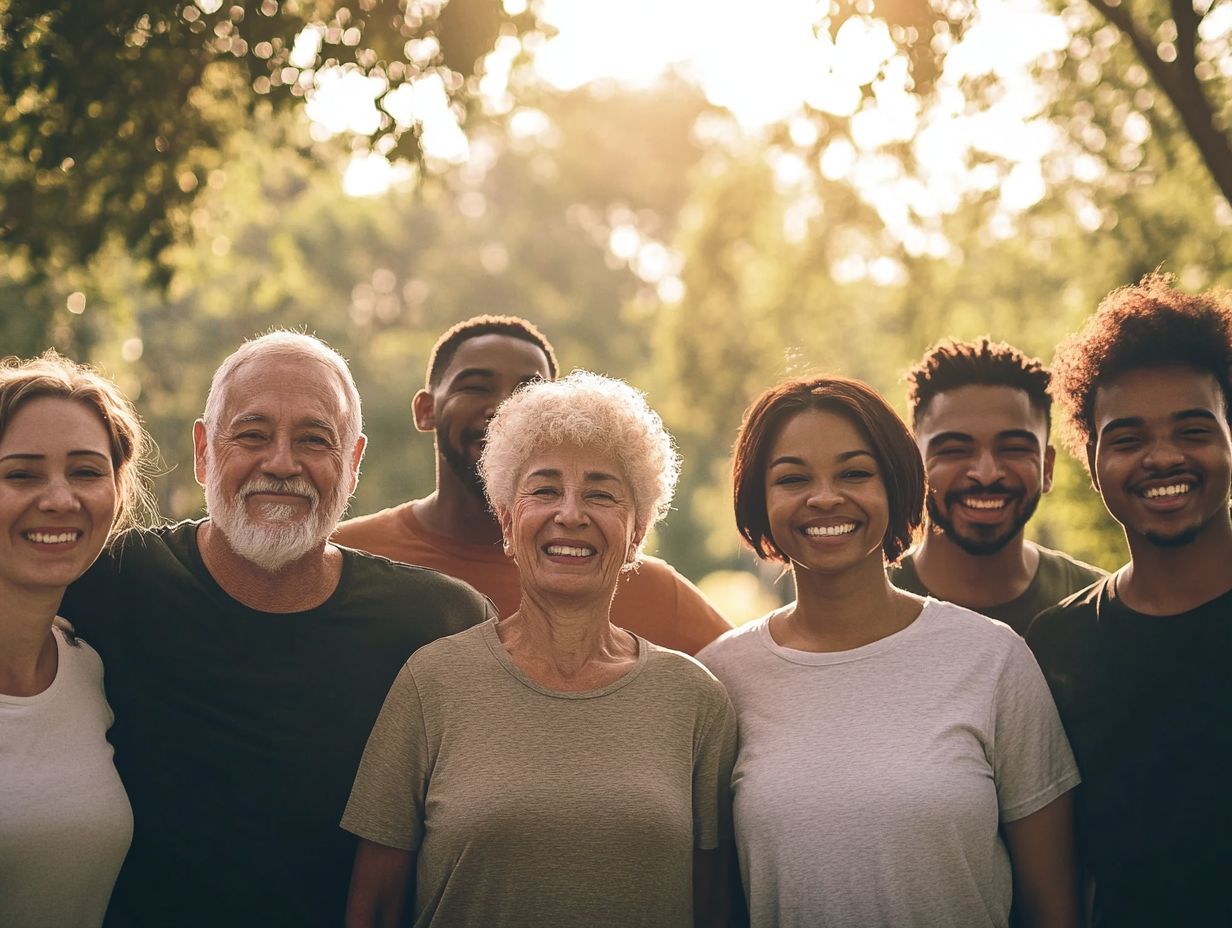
x,y
527,806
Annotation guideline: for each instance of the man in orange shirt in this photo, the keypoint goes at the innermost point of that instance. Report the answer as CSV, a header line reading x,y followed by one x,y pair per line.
x,y
473,367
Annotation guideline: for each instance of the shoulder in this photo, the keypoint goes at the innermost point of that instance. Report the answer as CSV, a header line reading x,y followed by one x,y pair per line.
x,y
423,589
733,648
444,657
1071,618
1063,563
352,530
653,573
961,631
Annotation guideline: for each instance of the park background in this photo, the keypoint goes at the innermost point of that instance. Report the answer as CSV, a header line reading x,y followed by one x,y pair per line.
x,y
699,196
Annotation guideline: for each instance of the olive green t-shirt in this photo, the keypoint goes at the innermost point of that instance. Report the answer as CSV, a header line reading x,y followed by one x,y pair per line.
x,y
531,807
1057,577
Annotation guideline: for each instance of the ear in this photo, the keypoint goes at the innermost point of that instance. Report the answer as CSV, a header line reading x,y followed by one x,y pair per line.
x,y
423,412
1050,460
635,543
200,447
1091,465
505,521
357,455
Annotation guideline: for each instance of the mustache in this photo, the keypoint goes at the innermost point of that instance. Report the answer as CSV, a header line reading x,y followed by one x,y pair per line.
x,y
957,496
293,486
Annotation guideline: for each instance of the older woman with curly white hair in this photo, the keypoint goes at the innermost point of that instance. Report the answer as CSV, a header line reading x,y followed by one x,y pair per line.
x,y
552,769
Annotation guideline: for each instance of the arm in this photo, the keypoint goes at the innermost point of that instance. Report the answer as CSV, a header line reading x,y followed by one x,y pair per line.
x,y
381,881
717,898
1041,847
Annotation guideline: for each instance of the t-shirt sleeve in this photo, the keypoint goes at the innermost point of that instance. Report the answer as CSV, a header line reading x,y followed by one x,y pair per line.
x,y
1032,761
712,769
387,800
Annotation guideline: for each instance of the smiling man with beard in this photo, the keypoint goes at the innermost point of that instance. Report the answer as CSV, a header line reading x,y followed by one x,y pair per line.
x,y
981,415
247,657
473,368
1138,664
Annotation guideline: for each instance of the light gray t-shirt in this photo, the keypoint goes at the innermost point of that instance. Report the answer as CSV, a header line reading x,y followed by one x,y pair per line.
x,y
529,807
65,821
871,784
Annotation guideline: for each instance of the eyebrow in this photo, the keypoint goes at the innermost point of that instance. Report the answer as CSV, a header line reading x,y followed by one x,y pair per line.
x,y
31,456
474,372
591,476
1131,422
323,424
841,458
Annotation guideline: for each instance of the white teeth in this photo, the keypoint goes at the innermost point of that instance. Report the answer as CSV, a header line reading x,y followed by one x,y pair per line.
x,y
1175,489
843,529
973,502
60,538
569,551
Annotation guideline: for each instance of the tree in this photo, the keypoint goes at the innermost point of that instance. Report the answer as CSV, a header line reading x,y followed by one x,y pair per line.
x,y
113,113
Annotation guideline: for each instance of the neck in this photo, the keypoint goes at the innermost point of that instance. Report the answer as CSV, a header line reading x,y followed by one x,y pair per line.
x,y
565,642
838,612
454,511
297,586
975,580
1169,581
28,654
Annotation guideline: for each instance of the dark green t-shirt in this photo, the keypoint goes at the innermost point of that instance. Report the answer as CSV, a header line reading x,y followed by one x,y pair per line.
x,y
1057,577
238,732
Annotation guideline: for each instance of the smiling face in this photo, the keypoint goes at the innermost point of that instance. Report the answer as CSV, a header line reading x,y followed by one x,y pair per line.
x,y
484,371
276,469
572,525
1162,457
57,494
988,462
825,497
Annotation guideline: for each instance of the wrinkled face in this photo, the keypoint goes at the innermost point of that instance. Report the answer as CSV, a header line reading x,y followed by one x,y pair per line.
x,y
484,371
988,462
572,525
1162,456
277,475
58,495
825,496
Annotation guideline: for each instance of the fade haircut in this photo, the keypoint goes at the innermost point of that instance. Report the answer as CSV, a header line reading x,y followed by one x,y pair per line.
x,y
951,364
447,345
898,456
1147,324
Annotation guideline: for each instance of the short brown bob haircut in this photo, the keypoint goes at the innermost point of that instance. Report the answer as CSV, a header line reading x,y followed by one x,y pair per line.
x,y
898,457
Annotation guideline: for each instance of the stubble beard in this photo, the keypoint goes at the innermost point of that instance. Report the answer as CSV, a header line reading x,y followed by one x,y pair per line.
x,y
978,547
465,468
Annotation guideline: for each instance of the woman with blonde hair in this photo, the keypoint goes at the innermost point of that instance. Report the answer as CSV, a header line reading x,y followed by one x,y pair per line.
x,y
71,450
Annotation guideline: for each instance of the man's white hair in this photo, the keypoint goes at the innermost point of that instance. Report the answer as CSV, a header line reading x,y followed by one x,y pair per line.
x,y
286,343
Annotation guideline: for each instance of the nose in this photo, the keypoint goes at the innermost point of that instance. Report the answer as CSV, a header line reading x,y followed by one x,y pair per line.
x,y
570,509
58,496
825,496
1162,454
281,460
985,468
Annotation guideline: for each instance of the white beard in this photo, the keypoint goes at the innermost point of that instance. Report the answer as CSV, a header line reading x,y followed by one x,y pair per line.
x,y
282,535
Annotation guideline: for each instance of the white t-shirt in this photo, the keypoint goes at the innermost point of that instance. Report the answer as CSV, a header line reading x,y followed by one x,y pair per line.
x,y
871,783
65,821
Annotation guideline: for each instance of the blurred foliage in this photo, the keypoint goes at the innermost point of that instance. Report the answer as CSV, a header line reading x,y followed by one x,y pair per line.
x,y
114,113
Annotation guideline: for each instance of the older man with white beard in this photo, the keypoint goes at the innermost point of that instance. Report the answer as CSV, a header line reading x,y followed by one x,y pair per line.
x,y
247,657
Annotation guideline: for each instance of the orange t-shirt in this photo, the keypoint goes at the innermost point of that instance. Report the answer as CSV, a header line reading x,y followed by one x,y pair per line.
x,y
654,600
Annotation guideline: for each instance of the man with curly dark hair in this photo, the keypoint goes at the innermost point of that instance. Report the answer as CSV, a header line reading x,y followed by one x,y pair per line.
x,y
981,414
1138,663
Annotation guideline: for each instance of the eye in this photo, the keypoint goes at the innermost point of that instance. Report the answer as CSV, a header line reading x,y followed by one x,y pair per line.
x,y
544,492
1018,450
602,496
90,472
19,475
858,473
319,441
788,480
250,435
1123,441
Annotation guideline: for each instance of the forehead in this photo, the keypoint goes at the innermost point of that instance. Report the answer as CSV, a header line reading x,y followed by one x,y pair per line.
x,y
1156,394
53,422
503,355
573,462
820,432
980,410
285,387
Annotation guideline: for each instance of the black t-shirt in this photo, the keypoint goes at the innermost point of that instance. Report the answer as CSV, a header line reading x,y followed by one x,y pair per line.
x,y
238,732
1147,704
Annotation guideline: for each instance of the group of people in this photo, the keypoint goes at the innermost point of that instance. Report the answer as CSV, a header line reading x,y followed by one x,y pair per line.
x,y
473,709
